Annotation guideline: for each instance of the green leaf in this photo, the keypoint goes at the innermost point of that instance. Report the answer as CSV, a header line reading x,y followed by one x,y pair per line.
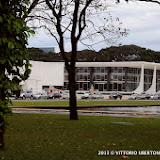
x,y
2,61
32,32
1,19
9,62
10,45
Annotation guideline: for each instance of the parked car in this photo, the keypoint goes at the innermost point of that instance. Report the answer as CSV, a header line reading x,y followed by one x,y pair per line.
x,y
26,94
133,96
143,96
40,95
97,96
87,96
54,95
65,95
79,92
155,96
115,95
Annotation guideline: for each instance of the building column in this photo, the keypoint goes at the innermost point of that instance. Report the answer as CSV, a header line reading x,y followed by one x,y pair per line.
x,y
152,89
140,88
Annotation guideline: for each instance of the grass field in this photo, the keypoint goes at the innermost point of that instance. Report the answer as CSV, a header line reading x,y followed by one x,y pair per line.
x,y
54,137
65,103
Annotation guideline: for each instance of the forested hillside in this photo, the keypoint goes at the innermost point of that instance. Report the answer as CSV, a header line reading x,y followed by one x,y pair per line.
x,y
120,53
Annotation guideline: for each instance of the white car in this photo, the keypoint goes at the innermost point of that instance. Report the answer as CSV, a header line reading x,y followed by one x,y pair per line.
x,y
133,96
87,96
40,95
65,95
97,96
143,96
155,96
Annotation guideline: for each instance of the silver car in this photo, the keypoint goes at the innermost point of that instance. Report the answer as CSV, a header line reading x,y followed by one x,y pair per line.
x,y
40,95
143,96
26,94
155,96
65,96
97,96
87,96
133,96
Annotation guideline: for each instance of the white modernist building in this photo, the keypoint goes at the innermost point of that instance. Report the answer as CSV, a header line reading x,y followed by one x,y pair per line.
x,y
44,74
133,76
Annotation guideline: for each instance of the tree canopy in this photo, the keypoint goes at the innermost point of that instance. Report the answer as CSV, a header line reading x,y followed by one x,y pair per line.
x,y
114,53
13,54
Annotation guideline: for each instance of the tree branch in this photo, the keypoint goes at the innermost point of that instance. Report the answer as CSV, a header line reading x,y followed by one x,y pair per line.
x,y
32,6
83,14
152,1
59,31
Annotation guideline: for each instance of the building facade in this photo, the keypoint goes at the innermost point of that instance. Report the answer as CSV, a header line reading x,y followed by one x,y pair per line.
x,y
132,76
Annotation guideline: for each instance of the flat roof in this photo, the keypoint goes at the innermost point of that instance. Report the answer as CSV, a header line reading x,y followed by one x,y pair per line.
x,y
131,64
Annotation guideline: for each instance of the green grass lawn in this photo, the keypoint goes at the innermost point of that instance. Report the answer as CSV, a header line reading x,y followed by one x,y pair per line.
x,y
54,137
65,103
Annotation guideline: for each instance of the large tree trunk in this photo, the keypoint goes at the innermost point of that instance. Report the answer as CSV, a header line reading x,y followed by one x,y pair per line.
x,y
72,89
3,106
2,130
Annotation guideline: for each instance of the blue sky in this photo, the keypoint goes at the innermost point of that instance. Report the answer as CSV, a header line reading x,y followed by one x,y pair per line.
x,y
140,18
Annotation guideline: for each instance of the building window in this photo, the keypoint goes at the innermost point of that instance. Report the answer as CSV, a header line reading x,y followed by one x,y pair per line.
x,y
102,69
119,70
81,70
81,77
115,86
80,86
88,77
105,86
97,69
120,78
96,86
102,77
85,70
85,78
97,77
114,77
105,77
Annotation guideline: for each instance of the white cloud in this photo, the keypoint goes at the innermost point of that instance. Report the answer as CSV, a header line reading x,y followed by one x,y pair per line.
x,y
141,18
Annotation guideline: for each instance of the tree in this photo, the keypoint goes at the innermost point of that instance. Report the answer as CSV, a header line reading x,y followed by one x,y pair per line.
x,y
129,53
68,20
109,54
150,1
13,54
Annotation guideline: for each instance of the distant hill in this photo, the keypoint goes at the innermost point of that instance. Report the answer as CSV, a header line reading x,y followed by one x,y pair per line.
x,y
120,53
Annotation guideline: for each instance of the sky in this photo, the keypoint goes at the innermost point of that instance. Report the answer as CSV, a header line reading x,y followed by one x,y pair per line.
x,y
140,18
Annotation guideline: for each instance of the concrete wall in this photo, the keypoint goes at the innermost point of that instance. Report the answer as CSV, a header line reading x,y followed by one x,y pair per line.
x,y
44,74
